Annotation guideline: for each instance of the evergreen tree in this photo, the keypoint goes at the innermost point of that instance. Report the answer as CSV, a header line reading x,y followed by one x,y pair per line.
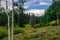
x,y
20,14
3,18
52,13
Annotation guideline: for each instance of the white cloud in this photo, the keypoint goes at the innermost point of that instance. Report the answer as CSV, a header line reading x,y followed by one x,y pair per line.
x,y
33,3
3,4
44,3
29,3
26,7
36,12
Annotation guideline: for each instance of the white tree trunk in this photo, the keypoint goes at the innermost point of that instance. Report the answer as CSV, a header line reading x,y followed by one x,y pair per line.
x,y
0,3
8,20
12,20
0,6
57,20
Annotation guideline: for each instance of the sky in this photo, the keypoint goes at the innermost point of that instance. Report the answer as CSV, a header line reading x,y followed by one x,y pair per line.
x,y
33,6
37,7
37,4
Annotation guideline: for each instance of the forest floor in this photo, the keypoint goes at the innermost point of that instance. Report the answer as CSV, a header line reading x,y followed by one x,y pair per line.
x,y
41,33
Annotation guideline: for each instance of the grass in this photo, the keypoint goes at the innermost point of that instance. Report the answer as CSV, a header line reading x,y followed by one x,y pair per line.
x,y
42,33
3,32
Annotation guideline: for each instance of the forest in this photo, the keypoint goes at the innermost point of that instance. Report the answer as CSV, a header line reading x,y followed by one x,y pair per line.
x,y
31,27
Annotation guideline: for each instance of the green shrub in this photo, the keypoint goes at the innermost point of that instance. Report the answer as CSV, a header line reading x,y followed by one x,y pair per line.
x,y
37,25
53,23
3,32
18,30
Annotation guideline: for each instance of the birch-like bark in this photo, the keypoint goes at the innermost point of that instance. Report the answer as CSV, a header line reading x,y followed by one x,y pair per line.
x,y
8,20
0,6
57,20
12,33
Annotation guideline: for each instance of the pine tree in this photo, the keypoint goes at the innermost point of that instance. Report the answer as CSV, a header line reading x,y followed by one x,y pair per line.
x,y
21,15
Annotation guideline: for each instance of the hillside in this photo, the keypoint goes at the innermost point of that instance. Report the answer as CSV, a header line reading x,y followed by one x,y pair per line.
x,y
28,26
43,33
